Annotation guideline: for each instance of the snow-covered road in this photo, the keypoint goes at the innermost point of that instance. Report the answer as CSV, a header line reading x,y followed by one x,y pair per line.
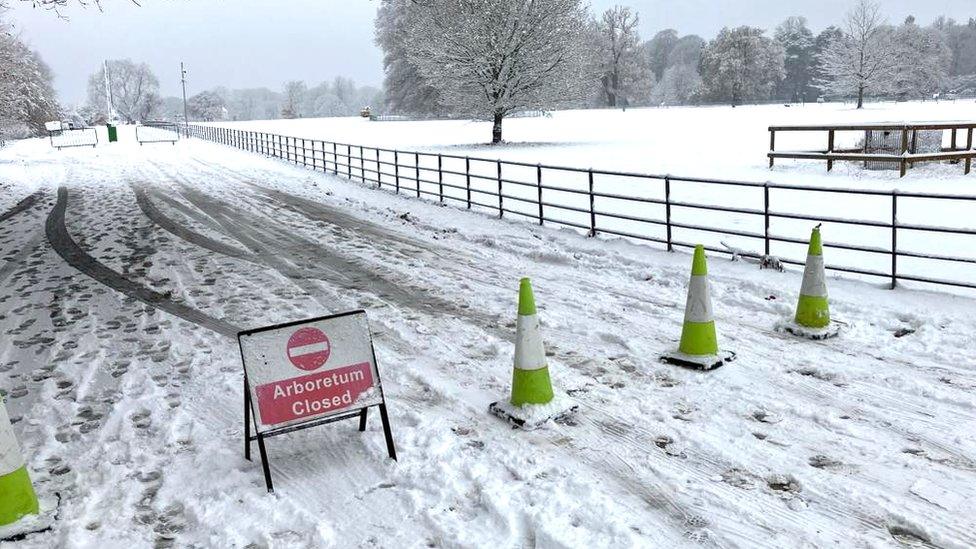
x,y
125,276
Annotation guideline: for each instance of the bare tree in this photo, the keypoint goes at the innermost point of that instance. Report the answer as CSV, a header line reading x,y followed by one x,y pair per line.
x,y
864,59
134,90
494,58
624,74
294,98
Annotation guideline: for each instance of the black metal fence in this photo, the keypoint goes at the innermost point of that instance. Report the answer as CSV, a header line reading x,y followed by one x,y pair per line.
x,y
864,229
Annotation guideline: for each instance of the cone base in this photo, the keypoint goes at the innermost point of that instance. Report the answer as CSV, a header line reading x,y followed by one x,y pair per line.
x,y
33,524
698,362
532,416
827,332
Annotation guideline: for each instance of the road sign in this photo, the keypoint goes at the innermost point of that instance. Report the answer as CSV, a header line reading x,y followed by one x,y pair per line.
x,y
308,373
309,348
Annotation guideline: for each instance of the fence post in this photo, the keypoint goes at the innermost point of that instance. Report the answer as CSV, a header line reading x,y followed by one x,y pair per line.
x,y
772,146
894,239
335,159
440,179
396,171
379,171
766,215
416,163
467,176
830,150
501,206
969,147
362,165
904,149
592,209
349,162
667,210
538,184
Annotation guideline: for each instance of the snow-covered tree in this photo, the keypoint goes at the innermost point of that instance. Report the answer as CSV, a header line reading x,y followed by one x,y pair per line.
x,y
798,43
924,61
678,85
294,93
686,51
27,97
864,59
134,90
659,50
207,106
625,76
961,41
406,90
741,64
494,57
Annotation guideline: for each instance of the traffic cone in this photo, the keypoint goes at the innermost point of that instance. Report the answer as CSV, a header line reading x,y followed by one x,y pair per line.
x,y
699,345
812,318
17,497
533,401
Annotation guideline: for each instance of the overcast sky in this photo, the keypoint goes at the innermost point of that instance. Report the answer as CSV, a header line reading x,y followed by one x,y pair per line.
x,y
251,43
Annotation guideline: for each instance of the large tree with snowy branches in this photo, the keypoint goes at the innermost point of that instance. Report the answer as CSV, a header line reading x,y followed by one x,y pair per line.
x,y
133,86
625,74
27,97
864,59
491,58
741,64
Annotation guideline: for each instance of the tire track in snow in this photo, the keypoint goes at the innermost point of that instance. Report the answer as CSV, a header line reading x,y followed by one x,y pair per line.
x,y
69,250
22,206
156,216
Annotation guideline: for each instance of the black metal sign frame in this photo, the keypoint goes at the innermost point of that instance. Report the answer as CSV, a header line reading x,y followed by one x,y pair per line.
x,y
251,415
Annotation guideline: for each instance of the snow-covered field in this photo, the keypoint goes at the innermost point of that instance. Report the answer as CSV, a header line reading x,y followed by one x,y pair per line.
x,y
710,142
133,415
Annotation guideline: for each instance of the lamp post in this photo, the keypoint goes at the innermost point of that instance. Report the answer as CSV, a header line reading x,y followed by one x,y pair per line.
x,y
186,117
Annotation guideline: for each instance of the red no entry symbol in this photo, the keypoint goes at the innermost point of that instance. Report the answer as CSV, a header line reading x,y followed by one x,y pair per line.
x,y
309,348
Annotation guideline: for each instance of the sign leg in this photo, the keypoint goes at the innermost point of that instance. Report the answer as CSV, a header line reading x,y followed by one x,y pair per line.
x,y
247,423
386,431
265,464
362,420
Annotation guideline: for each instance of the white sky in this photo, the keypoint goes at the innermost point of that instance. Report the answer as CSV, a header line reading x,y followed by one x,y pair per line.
x,y
251,43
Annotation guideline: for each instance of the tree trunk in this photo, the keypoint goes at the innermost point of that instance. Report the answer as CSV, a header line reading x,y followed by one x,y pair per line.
x,y
860,97
496,130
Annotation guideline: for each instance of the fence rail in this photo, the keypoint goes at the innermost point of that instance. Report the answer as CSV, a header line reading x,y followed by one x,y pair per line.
x,y
663,209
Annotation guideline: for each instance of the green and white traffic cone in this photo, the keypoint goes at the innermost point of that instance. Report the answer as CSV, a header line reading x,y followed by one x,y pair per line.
x,y
699,344
17,497
533,401
812,319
